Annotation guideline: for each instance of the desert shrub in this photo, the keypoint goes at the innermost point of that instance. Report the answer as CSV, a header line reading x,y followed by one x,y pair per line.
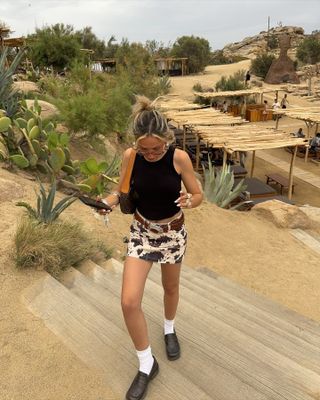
x,y
197,87
308,51
233,82
261,64
85,113
53,247
272,42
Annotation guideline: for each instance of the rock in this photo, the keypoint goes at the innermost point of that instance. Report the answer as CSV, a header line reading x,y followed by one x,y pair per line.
x,y
47,109
313,214
283,215
252,46
26,86
10,190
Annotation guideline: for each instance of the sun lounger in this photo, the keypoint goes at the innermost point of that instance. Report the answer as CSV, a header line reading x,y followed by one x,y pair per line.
x,y
257,188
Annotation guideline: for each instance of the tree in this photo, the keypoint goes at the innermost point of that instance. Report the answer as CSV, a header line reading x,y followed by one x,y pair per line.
x,y
157,49
261,64
57,46
196,49
134,61
308,51
88,40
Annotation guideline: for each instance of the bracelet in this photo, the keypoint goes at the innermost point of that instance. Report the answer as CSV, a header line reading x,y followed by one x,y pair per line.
x,y
115,193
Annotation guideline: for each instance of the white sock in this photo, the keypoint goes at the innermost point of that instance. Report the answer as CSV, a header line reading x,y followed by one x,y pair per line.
x,y
168,326
145,360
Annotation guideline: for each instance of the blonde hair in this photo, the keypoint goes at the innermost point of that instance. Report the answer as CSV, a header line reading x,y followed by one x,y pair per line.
x,y
148,121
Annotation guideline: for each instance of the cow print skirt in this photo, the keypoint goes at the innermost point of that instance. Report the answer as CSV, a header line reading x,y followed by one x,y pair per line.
x,y
163,248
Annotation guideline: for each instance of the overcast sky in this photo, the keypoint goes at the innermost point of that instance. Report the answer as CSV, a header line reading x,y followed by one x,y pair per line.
x,y
219,21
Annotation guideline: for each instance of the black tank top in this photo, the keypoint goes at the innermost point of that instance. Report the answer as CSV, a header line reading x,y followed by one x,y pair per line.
x,y
157,185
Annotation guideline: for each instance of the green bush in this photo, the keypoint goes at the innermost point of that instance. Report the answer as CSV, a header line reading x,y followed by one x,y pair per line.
x,y
272,42
54,247
85,113
234,82
308,51
197,87
260,65
196,49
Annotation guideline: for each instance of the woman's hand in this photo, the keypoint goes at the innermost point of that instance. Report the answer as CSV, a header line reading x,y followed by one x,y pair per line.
x,y
185,200
103,211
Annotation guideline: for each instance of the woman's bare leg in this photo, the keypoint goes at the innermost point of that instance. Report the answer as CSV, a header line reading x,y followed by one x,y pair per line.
x,y
170,282
134,277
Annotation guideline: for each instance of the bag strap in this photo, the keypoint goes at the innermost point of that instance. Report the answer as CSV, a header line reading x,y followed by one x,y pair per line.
x,y
125,186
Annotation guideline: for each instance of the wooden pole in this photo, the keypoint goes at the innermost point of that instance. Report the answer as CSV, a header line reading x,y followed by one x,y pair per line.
x,y
291,172
198,154
308,136
252,163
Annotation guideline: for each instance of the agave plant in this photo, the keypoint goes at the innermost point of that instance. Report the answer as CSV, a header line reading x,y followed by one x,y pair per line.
x,y
218,185
9,99
46,212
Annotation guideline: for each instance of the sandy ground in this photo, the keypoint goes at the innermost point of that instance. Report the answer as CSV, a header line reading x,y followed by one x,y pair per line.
x,y
251,251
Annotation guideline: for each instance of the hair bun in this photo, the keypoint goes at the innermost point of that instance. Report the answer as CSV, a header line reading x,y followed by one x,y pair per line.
x,y
142,104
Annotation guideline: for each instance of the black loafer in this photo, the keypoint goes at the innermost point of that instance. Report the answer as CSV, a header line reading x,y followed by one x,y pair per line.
x,y
139,386
172,346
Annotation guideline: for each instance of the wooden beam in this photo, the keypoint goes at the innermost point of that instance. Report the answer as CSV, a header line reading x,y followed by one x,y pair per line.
x,y
291,172
184,138
252,163
198,154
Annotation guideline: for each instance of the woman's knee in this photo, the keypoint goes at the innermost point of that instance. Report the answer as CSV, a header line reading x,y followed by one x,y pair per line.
x,y
171,289
130,304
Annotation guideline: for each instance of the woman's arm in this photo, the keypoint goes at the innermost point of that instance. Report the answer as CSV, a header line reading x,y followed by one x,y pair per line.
x,y
183,166
113,198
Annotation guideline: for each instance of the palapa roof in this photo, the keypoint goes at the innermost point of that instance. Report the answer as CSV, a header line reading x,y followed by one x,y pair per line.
x,y
246,138
176,104
14,42
309,114
236,93
204,116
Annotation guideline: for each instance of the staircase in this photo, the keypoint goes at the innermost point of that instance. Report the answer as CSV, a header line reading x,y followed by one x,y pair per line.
x,y
235,344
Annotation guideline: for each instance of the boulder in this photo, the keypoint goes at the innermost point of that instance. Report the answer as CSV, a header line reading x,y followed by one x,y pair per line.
x,y
10,190
26,86
47,109
283,215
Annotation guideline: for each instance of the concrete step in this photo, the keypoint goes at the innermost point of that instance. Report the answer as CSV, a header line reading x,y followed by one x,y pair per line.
x,y
108,305
244,357
82,329
199,366
309,240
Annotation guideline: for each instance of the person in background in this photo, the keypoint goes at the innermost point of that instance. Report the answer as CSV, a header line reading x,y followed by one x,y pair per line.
x,y
275,107
225,107
265,111
157,233
247,78
315,143
284,102
299,133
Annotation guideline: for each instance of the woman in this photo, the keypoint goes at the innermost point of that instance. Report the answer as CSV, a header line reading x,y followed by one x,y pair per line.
x,y
157,233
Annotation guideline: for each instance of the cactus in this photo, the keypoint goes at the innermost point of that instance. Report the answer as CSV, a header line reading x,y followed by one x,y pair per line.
x,y
5,122
20,160
99,175
57,159
218,186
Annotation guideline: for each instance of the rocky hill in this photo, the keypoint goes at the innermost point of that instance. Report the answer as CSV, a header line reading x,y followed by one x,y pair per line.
x,y
250,47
